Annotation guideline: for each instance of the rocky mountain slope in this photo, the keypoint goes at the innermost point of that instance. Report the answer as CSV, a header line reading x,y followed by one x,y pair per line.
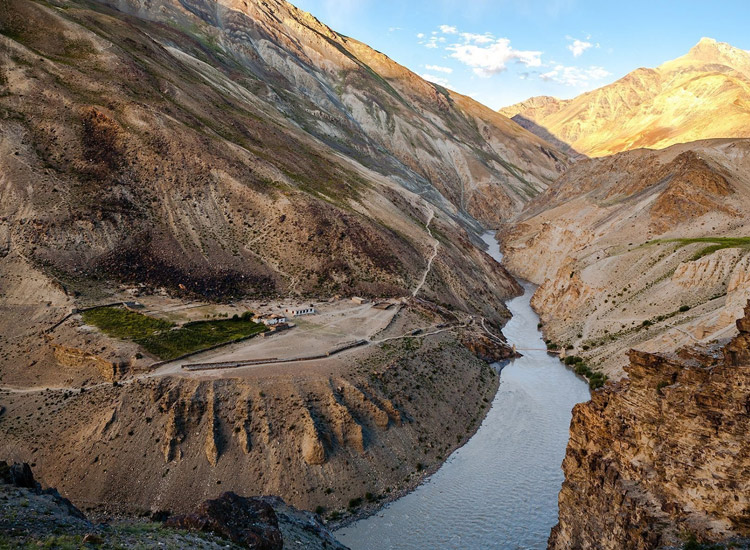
x,y
219,150
704,94
644,249
210,151
234,149
663,456
32,517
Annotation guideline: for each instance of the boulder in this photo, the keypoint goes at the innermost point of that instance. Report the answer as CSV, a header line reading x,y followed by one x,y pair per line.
x,y
19,475
487,349
250,522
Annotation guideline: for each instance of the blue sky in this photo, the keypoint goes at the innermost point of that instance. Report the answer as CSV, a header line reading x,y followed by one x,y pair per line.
x,y
504,51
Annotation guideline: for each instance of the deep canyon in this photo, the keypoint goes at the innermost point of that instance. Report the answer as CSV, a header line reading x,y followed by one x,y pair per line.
x,y
244,254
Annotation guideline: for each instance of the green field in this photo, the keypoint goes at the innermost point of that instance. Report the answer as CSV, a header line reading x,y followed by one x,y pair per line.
x,y
162,339
124,324
714,244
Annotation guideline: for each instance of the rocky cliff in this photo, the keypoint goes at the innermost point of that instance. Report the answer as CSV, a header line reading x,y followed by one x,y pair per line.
x,y
663,455
704,94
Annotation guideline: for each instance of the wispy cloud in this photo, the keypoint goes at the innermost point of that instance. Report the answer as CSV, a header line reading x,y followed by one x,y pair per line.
x,y
439,69
448,29
575,76
477,38
492,58
436,79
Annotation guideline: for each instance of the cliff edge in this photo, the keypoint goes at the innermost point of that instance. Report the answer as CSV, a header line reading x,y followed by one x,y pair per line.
x,y
663,456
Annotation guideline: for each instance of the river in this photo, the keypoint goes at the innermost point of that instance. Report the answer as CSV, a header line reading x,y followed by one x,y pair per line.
x,y
499,491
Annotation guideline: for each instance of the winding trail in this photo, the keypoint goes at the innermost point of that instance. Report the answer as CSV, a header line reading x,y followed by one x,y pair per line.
x,y
436,245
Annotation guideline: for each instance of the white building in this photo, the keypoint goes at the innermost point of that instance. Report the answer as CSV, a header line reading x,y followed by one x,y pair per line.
x,y
299,311
270,319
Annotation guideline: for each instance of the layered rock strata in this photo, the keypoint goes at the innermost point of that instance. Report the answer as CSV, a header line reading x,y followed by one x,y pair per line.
x,y
662,455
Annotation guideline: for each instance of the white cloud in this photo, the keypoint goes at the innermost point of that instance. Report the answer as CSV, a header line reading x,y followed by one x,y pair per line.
x,y
431,45
439,69
448,29
579,46
478,38
492,59
436,79
420,35
575,76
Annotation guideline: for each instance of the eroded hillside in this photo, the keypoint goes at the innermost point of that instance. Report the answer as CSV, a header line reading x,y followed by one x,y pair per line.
x,y
643,250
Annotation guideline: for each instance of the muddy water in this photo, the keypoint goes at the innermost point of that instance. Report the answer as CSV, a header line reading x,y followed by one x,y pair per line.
x,y
499,491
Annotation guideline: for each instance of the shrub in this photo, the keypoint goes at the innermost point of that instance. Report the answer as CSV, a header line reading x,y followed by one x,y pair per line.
x,y
355,503
683,309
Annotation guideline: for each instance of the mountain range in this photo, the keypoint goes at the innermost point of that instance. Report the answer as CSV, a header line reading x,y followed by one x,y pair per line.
x,y
704,94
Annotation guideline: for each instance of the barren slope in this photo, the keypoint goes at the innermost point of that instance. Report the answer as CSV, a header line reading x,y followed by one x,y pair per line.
x,y
604,289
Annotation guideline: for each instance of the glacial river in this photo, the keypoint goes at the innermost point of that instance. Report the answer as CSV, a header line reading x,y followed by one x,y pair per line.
x,y
499,491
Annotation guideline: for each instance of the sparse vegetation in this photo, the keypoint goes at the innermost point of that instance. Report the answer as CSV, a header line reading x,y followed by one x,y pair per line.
x,y
693,544
715,243
162,339
596,379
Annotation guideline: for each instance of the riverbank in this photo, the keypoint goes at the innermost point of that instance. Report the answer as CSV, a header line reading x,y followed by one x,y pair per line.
x,y
505,480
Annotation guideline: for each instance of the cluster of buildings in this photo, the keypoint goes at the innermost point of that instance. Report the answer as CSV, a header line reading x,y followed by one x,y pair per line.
x,y
277,321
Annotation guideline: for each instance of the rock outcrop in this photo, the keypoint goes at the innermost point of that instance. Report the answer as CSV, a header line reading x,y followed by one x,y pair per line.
x,y
31,517
250,522
489,349
663,454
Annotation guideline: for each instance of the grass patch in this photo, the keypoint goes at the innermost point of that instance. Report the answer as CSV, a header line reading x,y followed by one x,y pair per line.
x,y
123,323
714,244
162,339
200,335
